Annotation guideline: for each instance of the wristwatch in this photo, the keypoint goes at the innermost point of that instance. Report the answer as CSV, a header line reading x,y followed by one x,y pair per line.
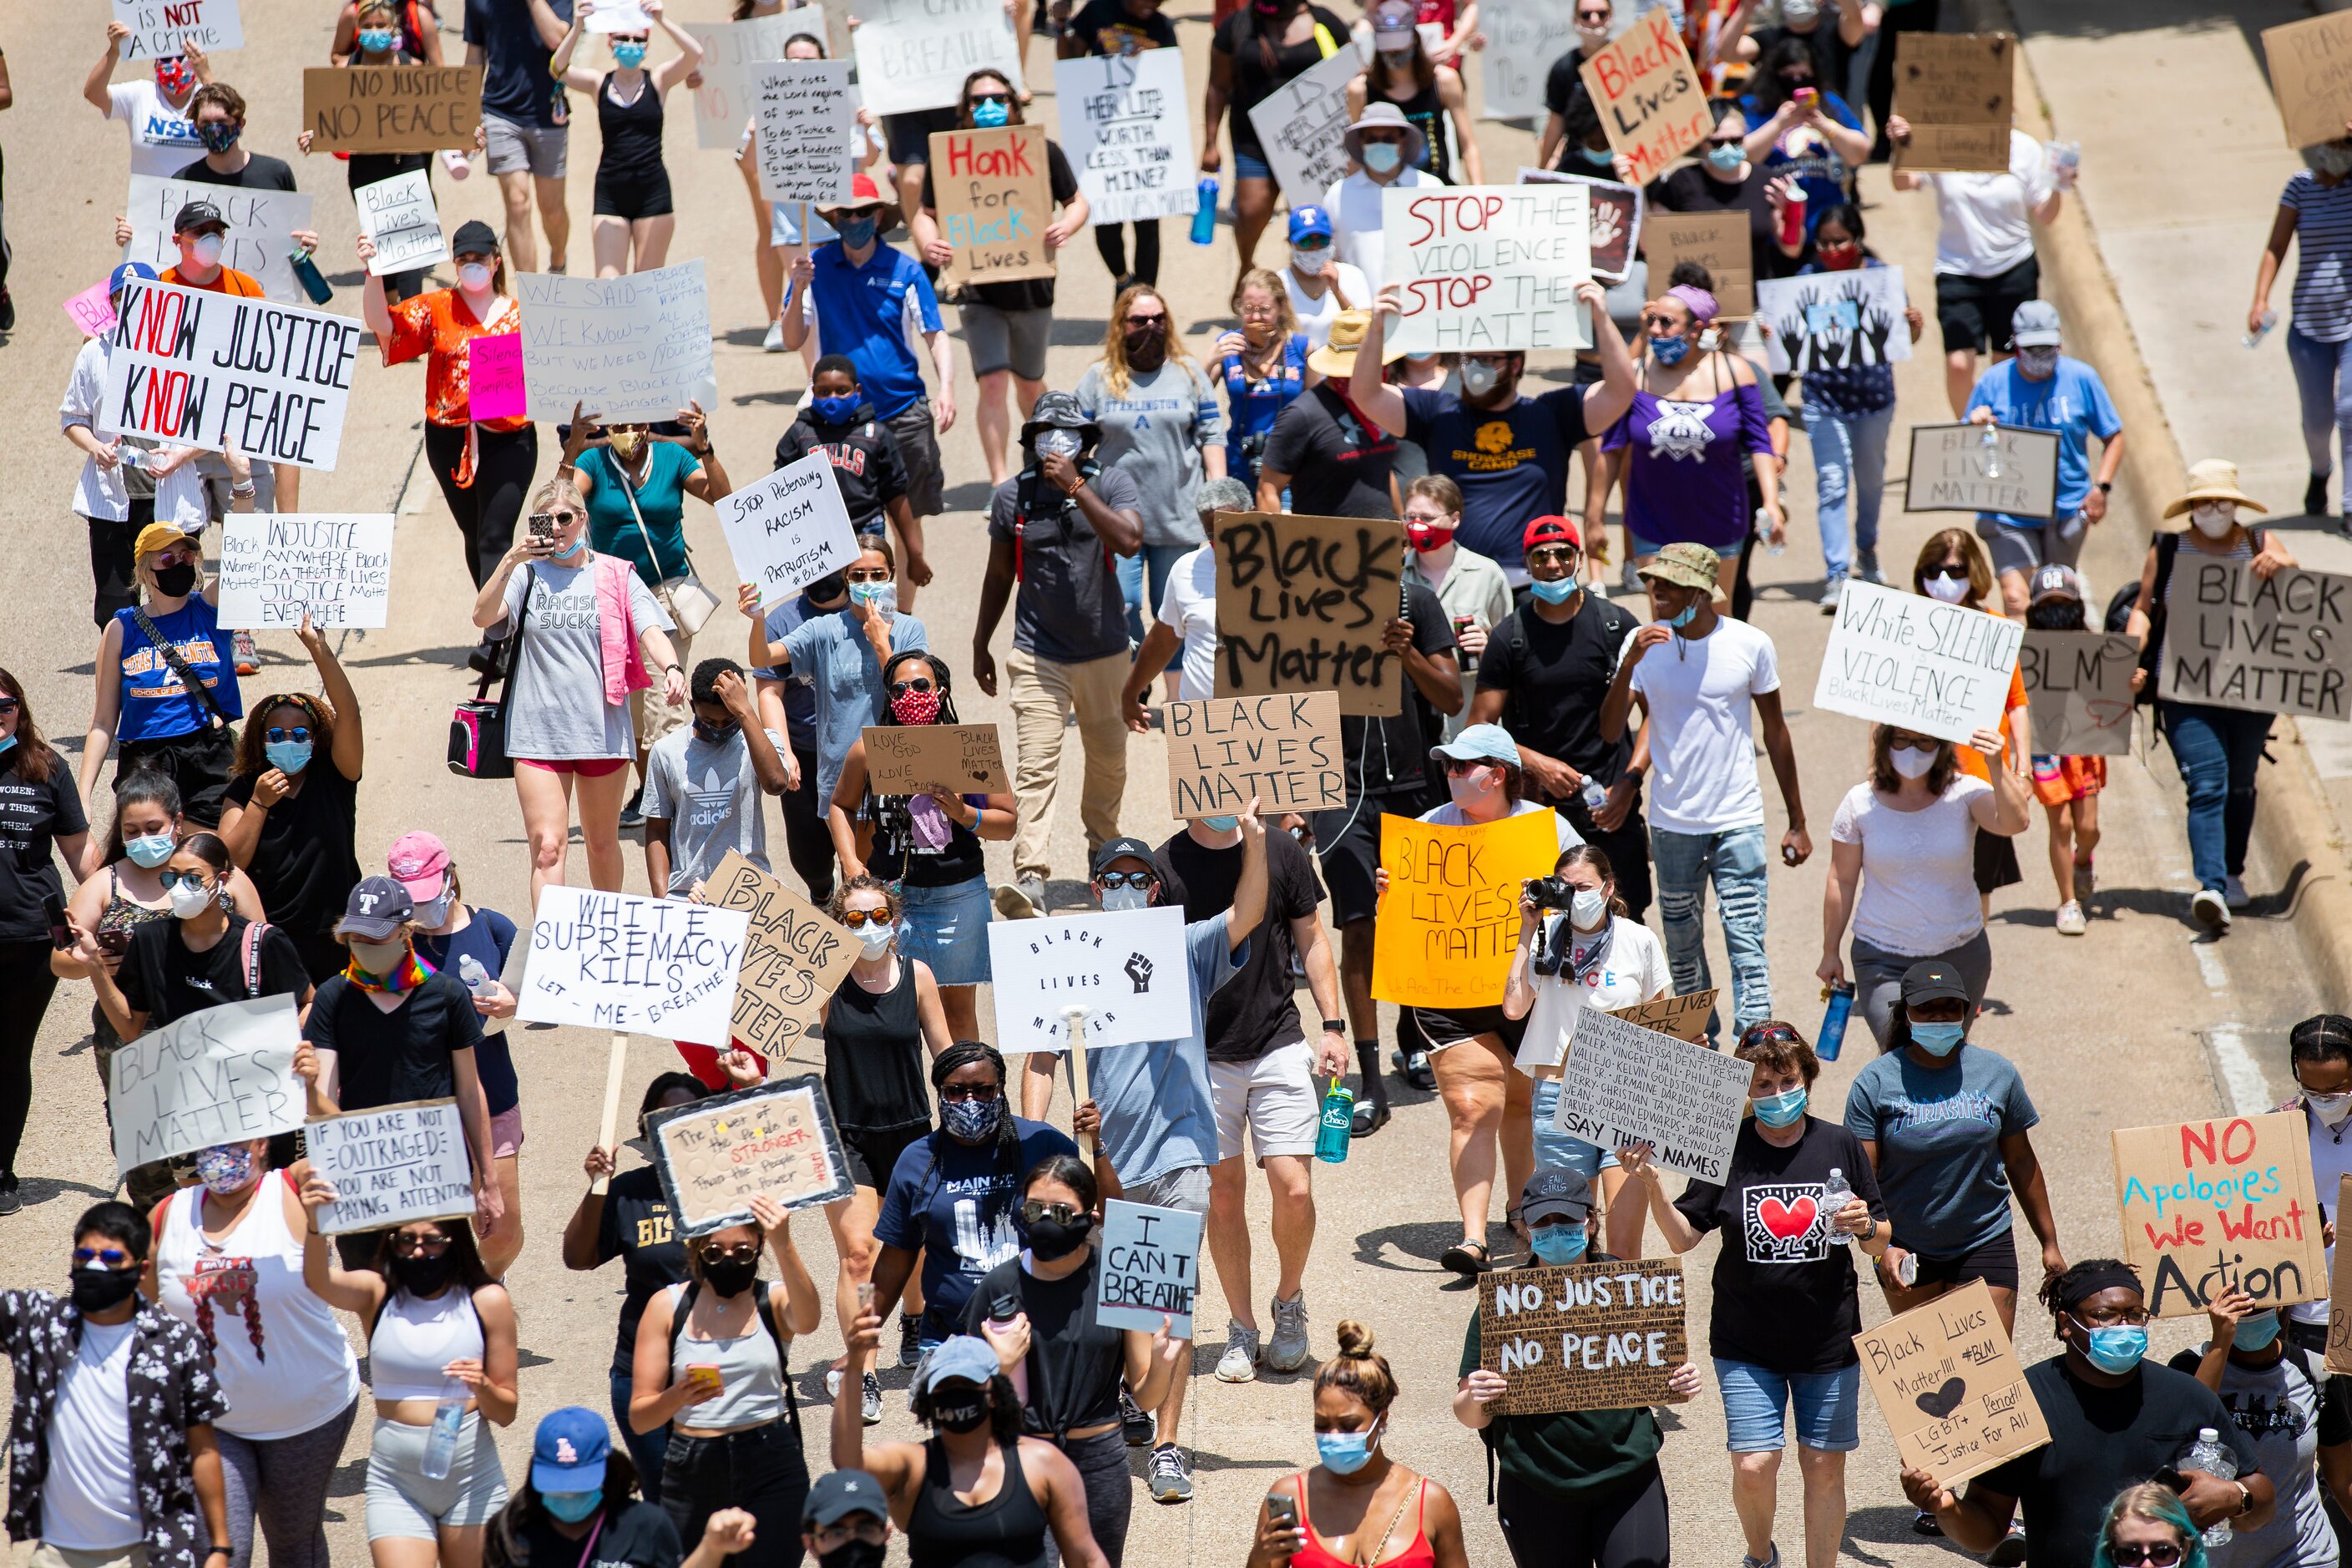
x,y
2245,1498
2106,486
1335,1026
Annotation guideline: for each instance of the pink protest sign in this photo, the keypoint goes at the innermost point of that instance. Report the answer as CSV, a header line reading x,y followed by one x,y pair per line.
x,y
92,311
494,376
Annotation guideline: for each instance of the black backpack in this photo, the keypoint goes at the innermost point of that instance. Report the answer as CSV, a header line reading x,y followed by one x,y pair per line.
x,y
2121,603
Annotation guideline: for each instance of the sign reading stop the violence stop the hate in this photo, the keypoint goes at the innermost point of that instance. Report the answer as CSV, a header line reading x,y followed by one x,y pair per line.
x,y
1487,268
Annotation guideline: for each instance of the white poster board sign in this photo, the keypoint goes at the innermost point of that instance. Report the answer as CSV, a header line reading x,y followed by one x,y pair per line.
x,y
1303,126
399,215
788,528
633,965
391,1166
1523,38
914,54
1982,468
731,54
1127,132
1487,268
1917,663
199,369
164,27
260,236
1128,971
275,567
1150,1266
805,116
636,347
618,16
1835,321
220,1075
1625,1084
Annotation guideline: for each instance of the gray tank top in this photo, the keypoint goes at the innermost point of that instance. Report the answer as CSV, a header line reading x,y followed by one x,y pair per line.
x,y
750,1369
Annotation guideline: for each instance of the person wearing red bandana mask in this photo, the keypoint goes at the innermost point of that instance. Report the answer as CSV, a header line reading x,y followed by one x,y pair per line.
x,y
1471,587
155,112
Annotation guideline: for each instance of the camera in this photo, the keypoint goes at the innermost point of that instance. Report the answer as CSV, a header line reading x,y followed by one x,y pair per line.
x,y
1550,893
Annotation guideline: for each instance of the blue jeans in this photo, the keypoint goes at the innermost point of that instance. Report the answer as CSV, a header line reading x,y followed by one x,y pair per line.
x,y
646,1448
1850,472
1554,1147
2217,750
1734,860
1162,559
2322,385
1827,1406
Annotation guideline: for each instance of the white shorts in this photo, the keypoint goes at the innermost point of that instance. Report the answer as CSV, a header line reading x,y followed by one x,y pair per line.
x,y
1276,1095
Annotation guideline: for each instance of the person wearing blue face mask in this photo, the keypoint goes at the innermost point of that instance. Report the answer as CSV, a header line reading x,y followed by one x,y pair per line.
x,y
2299,1420
1719,178
870,468
583,1495
635,218
1390,143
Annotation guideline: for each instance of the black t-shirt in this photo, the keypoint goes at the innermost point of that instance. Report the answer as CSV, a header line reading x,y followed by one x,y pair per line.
x,y
261,173
1074,1363
516,86
1691,189
1261,64
1555,677
1391,756
389,1059
636,1229
1784,1292
1026,293
1339,465
160,977
33,816
1256,1011
867,465
1108,27
1564,83
639,1536
2101,1441
305,865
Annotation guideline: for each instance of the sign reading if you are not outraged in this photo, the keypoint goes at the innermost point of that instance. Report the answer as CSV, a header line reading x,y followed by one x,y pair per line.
x,y
1916,663
392,1164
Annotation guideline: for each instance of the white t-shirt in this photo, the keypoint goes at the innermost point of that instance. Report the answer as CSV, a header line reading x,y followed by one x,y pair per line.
x,y
1988,219
88,1503
1701,744
1634,972
1918,893
2331,1162
1451,816
1355,204
1188,606
162,140
1315,316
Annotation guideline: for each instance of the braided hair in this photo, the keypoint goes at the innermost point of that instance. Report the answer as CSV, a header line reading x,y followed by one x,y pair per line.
x,y
2322,1038
954,1059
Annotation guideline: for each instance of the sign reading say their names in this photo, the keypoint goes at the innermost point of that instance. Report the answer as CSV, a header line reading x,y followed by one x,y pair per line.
x,y
1948,1383
1625,1084
164,27
2311,71
795,956
391,108
399,215
1652,104
914,54
260,236
220,1075
993,202
1954,89
902,759
1150,1266
2210,1204
1127,130
1683,1018
633,965
1487,268
2079,687
200,369
788,528
1129,971
1302,603
1589,1336
1717,241
277,567
1916,663
1303,127
804,117
2264,645
392,1164
636,347
1982,468
732,53
1283,751
775,1140
1450,920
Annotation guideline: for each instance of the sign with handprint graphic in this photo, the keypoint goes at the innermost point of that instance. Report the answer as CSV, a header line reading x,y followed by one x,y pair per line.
x,y
1127,970
1834,321
1615,211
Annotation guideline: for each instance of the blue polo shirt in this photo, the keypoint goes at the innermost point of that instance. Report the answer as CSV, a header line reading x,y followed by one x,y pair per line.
x,y
870,314
2074,402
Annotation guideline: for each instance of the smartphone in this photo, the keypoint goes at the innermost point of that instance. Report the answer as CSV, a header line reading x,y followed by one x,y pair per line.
x,y
2171,1476
60,931
542,528
1806,96
706,1375
114,943
1282,1508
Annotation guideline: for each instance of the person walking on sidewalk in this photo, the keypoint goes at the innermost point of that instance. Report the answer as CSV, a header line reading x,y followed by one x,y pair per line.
x,y
2314,215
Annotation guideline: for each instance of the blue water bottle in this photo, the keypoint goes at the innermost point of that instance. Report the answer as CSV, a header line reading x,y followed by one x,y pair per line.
x,y
1204,217
307,273
1332,1136
1841,999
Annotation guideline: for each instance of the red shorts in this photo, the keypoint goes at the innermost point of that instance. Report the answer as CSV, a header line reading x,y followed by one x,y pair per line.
x,y
586,767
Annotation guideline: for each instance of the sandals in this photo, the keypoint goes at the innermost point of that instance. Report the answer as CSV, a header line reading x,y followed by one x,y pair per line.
x,y
1466,1258
1415,1068
1371,1116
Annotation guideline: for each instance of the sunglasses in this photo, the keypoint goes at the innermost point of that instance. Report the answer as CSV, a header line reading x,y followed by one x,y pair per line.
x,y
8,705
735,1254
1913,743
1033,1212
275,736
1960,572
1776,1035
969,1091
110,1256
171,880
1552,555
1312,242
1138,879
1002,100
866,574
1455,767
2157,1554
917,683
858,919
419,1245
550,521
1384,138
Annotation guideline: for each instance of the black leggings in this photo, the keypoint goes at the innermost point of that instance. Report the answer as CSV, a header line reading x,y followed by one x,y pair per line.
x,y
28,981
485,510
806,838
759,1469
1625,1530
1110,240
114,582
1110,1493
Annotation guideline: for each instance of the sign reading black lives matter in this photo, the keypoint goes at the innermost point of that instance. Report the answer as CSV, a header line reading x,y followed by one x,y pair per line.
x,y
220,1075
1589,1336
1916,663
1982,468
1301,604
1284,751
633,965
392,1164
2274,645
1129,971
1150,1268
198,369
1625,1084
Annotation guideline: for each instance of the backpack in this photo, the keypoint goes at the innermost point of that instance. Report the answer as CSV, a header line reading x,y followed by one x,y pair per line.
x,y
683,1303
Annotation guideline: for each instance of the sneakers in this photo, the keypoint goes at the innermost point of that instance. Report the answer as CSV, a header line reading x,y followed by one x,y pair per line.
x,y
2209,911
1771,1559
2234,894
1135,1422
11,1200
1022,899
1866,566
1415,1068
1926,1523
1239,1363
2315,497
1287,1352
910,1340
773,342
633,810
1831,591
870,1404
1170,1475
2070,919
2010,1553
249,657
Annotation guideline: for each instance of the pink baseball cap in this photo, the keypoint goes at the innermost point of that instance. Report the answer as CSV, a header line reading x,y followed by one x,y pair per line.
x,y
419,862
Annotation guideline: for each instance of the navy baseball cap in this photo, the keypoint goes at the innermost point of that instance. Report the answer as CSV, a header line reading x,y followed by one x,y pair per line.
x,y
569,1450
377,907
837,1494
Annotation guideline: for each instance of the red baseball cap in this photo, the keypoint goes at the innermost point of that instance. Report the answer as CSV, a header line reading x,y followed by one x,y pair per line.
x,y
1550,530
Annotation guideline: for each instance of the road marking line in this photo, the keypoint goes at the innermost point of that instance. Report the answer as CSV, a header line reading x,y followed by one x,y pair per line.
x,y
2208,964
2242,1077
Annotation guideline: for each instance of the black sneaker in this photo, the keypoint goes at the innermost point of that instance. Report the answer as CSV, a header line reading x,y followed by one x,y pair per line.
x,y
633,812
10,1202
2315,497
910,1340
1134,1421
2010,1553
7,324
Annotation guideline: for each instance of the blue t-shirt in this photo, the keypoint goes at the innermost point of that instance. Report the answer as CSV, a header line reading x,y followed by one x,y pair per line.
x,y
832,653
957,1207
155,705
2074,402
867,313
1938,1132
489,936
613,527
800,691
1156,1113
1512,464
1254,404
1815,165
516,85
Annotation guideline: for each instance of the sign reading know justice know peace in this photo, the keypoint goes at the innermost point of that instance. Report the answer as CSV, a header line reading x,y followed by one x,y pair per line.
x,y
1625,1084
2079,686
277,567
205,370
633,965
1589,1336
2274,645
1488,268
1283,751
2311,71
1948,1383
1917,663
775,1140
392,1164
1150,1268
1127,130
1301,604
1450,920
2210,1205
220,1075
1128,971
1955,467
795,956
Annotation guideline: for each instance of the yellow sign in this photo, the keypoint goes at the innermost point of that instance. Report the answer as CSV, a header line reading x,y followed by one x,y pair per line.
x,y
1450,918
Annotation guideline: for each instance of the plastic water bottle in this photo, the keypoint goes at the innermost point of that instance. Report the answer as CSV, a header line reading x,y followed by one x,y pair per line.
x,y
1991,442
2215,1457
2253,339
1839,993
1835,1194
441,1448
2066,163
1204,218
478,979
1332,1135
1764,533
1596,795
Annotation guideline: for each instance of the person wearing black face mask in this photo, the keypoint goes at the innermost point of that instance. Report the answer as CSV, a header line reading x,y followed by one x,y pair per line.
x,y
846,1521
721,766
1041,1311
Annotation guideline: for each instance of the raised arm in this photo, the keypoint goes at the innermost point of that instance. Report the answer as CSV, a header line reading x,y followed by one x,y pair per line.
x,y
362,1291
1248,911
1370,394
669,73
350,742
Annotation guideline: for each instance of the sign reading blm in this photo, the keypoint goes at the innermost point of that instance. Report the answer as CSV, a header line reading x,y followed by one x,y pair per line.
x,y
1302,604
2266,644
1589,1336
2079,687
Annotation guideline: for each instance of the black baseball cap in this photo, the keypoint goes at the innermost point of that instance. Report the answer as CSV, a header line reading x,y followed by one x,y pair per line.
x,y
198,214
837,1494
1932,981
474,237
1122,850
1555,1190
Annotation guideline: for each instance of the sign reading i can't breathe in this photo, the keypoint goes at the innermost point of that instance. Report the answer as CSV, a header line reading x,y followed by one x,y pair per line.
x,y
1150,1268
2210,1205
1589,1336
1127,970
2266,644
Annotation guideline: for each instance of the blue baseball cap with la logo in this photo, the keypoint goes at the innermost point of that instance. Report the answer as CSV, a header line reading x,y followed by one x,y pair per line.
x,y
569,1450
377,907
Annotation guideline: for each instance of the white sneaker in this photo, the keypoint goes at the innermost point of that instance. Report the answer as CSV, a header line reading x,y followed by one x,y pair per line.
x,y
1239,1363
2070,919
775,341
1831,593
2210,911
2234,894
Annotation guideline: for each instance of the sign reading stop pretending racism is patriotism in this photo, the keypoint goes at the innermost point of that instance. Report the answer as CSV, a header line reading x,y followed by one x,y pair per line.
x,y
1482,268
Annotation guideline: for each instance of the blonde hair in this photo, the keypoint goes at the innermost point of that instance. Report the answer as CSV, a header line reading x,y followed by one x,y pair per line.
x,y
1115,366
1285,319
554,490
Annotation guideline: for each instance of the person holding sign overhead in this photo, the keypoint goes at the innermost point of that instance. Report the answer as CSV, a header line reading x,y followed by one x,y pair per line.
x,y
633,218
1254,51
155,112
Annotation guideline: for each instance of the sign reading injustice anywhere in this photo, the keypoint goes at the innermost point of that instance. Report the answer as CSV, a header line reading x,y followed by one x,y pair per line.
x,y
1835,321
795,956
164,27
914,54
1151,1266
1954,89
220,1075
1128,971
993,204
1949,1384
636,347
1131,138
1982,468
1683,1018
1285,751
1625,1084
788,528
2311,71
399,215
2079,686
277,567
633,965
804,118
1301,604
391,1166
1488,268
1450,920
2207,1205
1589,1336
1909,661
902,759
1523,37
775,1140
1615,226
1651,100
205,370
1717,241
391,108
1303,126
732,53
260,236
2266,644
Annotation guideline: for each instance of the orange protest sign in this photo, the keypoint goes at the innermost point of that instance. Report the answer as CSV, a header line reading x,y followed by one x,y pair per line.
x,y
1651,100
1450,918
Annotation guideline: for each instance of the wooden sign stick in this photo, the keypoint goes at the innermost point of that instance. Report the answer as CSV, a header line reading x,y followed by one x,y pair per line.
x,y
1076,1017
616,1071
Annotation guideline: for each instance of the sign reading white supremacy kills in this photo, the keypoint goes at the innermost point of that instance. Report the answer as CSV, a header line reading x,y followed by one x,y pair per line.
x,y
732,53
2274,645
633,965
914,54
199,369
631,348
260,236
391,1166
1303,126
1914,662
1488,268
1129,972
399,215
1151,1266
277,567
1625,1084
1131,138
220,1075
804,115
789,528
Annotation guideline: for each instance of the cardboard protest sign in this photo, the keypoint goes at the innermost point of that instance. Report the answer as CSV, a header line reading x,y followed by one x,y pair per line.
x,y
1949,1384
1303,125
1683,1018
914,54
391,1166
1589,1336
804,116
1487,268
993,204
1127,130
277,567
1651,102
1450,921
391,108
399,216
1128,971
1954,89
494,384
260,236
1717,241
795,956
1982,468
1615,212
2339,1292
775,1140
205,370
1835,321
219,1076
92,311
900,759
633,965
1917,663
731,54
2311,70
1301,604
1624,1084
2210,1204
1523,37
1284,751
788,528
1150,1266
164,27
628,348
2265,645
2079,687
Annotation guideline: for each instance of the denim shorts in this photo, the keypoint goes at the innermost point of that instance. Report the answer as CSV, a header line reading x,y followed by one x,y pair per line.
x,y
1248,168
946,928
1828,1407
